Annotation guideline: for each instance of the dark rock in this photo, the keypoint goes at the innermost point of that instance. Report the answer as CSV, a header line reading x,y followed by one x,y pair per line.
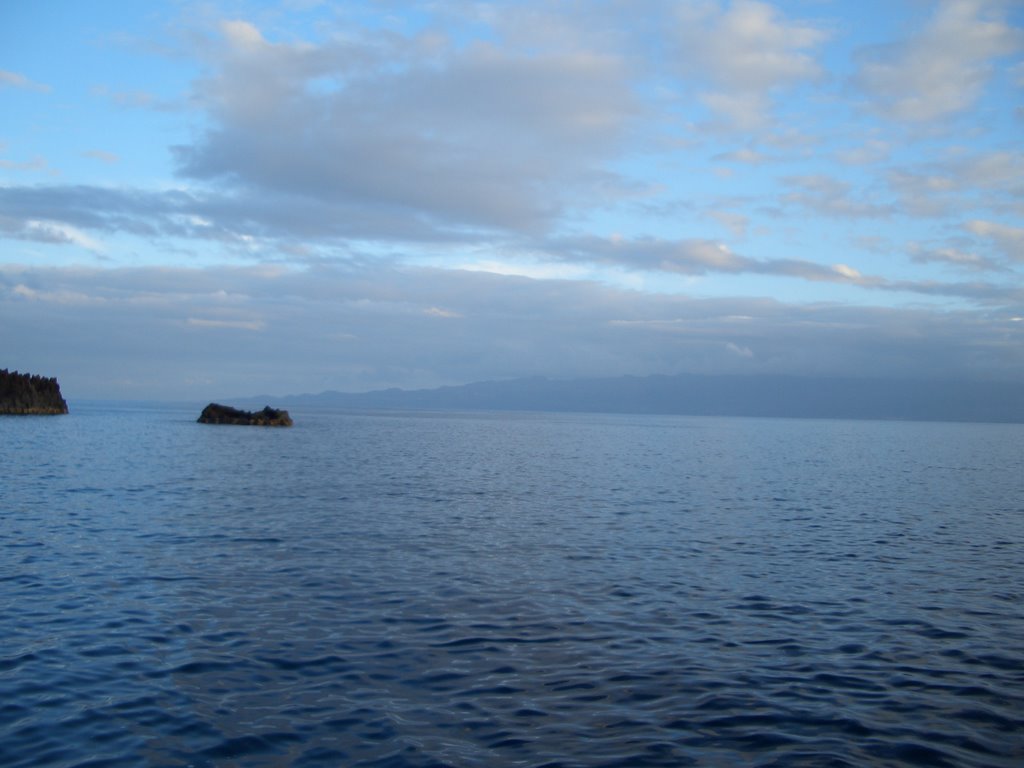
x,y
24,394
215,413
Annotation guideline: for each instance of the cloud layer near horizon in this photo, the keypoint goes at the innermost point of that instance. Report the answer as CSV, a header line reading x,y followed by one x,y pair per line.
x,y
418,194
372,326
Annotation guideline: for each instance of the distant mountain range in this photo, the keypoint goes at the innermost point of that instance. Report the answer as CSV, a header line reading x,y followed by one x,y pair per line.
x,y
697,395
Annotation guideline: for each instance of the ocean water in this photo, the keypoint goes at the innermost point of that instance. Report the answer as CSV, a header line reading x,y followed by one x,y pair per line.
x,y
509,590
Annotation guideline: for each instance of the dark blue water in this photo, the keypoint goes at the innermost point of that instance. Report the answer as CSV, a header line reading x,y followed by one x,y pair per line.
x,y
509,590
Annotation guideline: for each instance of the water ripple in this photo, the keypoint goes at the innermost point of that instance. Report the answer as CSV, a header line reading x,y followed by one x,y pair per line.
x,y
490,591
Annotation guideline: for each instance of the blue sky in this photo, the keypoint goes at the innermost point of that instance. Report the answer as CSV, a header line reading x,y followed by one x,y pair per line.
x,y
245,197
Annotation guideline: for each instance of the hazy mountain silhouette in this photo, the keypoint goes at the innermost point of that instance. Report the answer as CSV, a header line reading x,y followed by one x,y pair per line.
x,y
697,395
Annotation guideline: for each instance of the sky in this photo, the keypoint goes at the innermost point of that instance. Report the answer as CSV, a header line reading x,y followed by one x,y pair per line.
x,y
203,199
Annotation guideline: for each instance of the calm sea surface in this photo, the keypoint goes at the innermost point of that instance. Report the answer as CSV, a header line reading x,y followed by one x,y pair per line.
x,y
509,590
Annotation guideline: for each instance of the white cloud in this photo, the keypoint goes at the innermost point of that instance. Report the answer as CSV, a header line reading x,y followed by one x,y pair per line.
x,y
831,196
960,182
501,143
847,272
525,267
924,191
474,136
136,99
17,80
520,327
103,156
443,313
1000,171
746,155
64,297
942,70
43,231
953,256
239,325
746,53
739,351
36,164
868,153
1009,239
704,257
736,223
241,35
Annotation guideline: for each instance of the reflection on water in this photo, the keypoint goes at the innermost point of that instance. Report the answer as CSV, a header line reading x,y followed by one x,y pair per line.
x,y
427,590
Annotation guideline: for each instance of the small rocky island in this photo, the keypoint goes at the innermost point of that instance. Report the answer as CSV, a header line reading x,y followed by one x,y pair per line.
x,y
215,413
23,394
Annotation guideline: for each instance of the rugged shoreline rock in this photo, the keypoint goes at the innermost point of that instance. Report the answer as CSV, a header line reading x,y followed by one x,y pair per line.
x,y
24,394
215,413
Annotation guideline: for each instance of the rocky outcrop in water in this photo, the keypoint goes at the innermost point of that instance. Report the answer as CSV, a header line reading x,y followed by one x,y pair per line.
x,y
23,394
215,413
